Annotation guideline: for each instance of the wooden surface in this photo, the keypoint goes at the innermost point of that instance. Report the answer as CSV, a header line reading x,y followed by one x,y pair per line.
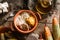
x,y
38,30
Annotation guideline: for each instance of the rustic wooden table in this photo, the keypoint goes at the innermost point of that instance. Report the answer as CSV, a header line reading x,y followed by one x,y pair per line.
x,y
40,28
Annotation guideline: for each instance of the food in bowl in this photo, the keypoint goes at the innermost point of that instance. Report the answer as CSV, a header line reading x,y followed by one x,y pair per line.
x,y
25,21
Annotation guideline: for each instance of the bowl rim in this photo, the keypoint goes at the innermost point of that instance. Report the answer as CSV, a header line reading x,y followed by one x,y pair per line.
x,y
31,12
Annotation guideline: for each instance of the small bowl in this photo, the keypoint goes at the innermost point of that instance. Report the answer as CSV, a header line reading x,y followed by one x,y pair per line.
x,y
28,31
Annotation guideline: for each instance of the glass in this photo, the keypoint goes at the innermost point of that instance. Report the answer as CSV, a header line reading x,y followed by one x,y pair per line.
x,y
43,6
